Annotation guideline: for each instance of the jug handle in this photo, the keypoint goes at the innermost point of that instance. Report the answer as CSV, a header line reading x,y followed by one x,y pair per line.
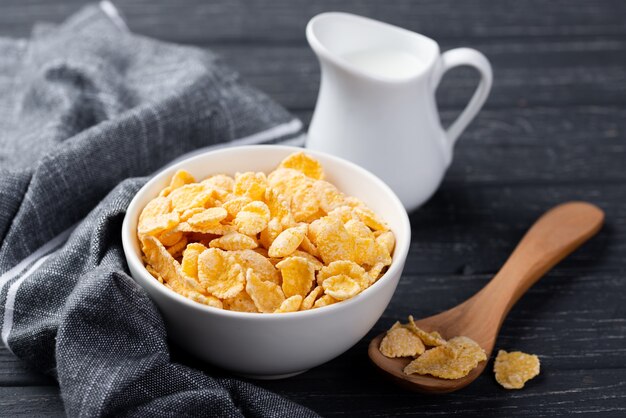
x,y
466,56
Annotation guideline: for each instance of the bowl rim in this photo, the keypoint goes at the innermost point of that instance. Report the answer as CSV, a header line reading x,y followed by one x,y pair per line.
x,y
133,210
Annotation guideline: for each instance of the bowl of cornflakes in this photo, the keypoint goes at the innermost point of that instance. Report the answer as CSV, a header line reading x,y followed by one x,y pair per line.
x,y
266,260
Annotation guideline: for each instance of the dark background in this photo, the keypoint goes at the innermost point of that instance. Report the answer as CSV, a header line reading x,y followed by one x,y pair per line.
x,y
553,129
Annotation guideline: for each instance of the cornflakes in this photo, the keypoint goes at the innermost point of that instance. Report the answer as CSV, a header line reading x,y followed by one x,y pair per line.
x,y
289,241
332,240
341,287
267,296
345,268
325,301
249,259
401,342
252,218
514,369
302,162
242,302
190,259
221,181
180,178
250,184
220,278
454,360
291,304
234,241
208,217
432,339
309,300
298,275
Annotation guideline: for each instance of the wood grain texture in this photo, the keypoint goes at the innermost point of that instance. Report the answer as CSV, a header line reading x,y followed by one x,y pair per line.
x,y
554,129
193,21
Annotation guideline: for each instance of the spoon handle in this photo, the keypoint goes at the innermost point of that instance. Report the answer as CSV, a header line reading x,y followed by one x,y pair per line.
x,y
553,236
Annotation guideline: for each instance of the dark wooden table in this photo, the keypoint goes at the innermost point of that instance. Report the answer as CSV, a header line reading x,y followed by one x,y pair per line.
x,y
553,129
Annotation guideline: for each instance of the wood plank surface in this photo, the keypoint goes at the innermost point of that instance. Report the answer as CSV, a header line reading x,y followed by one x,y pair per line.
x,y
193,21
554,129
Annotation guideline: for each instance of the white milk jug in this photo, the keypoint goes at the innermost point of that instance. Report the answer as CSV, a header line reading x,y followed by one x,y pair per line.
x,y
376,104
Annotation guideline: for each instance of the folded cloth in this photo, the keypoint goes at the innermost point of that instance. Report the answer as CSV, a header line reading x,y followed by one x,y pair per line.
x,y
86,108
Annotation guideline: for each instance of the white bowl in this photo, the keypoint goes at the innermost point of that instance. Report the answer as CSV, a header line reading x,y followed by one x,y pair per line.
x,y
271,345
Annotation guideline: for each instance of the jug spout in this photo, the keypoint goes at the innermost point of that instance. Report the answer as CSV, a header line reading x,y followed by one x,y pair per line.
x,y
366,48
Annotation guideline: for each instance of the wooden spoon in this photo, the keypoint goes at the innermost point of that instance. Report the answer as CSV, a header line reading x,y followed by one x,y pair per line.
x,y
554,236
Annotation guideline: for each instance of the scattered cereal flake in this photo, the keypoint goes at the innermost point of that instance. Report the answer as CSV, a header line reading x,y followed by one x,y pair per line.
x,y
298,275
220,181
400,342
302,162
325,301
250,184
208,217
190,259
158,224
454,360
221,278
287,241
177,249
252,218
233,206
341,287
250,259
328,196
515,368
347,268
234,241
242,302
332,240
432,339
370,218
267,296
309,300
180,178
170,237
291,304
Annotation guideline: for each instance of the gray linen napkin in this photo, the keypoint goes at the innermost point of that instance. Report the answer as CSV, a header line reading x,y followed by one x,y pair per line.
x,y
85,108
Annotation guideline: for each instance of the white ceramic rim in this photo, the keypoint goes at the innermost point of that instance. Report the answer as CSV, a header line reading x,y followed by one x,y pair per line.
x,y
315,43
400,252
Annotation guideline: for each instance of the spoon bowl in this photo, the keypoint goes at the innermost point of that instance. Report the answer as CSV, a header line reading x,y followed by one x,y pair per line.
x,y
553,236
